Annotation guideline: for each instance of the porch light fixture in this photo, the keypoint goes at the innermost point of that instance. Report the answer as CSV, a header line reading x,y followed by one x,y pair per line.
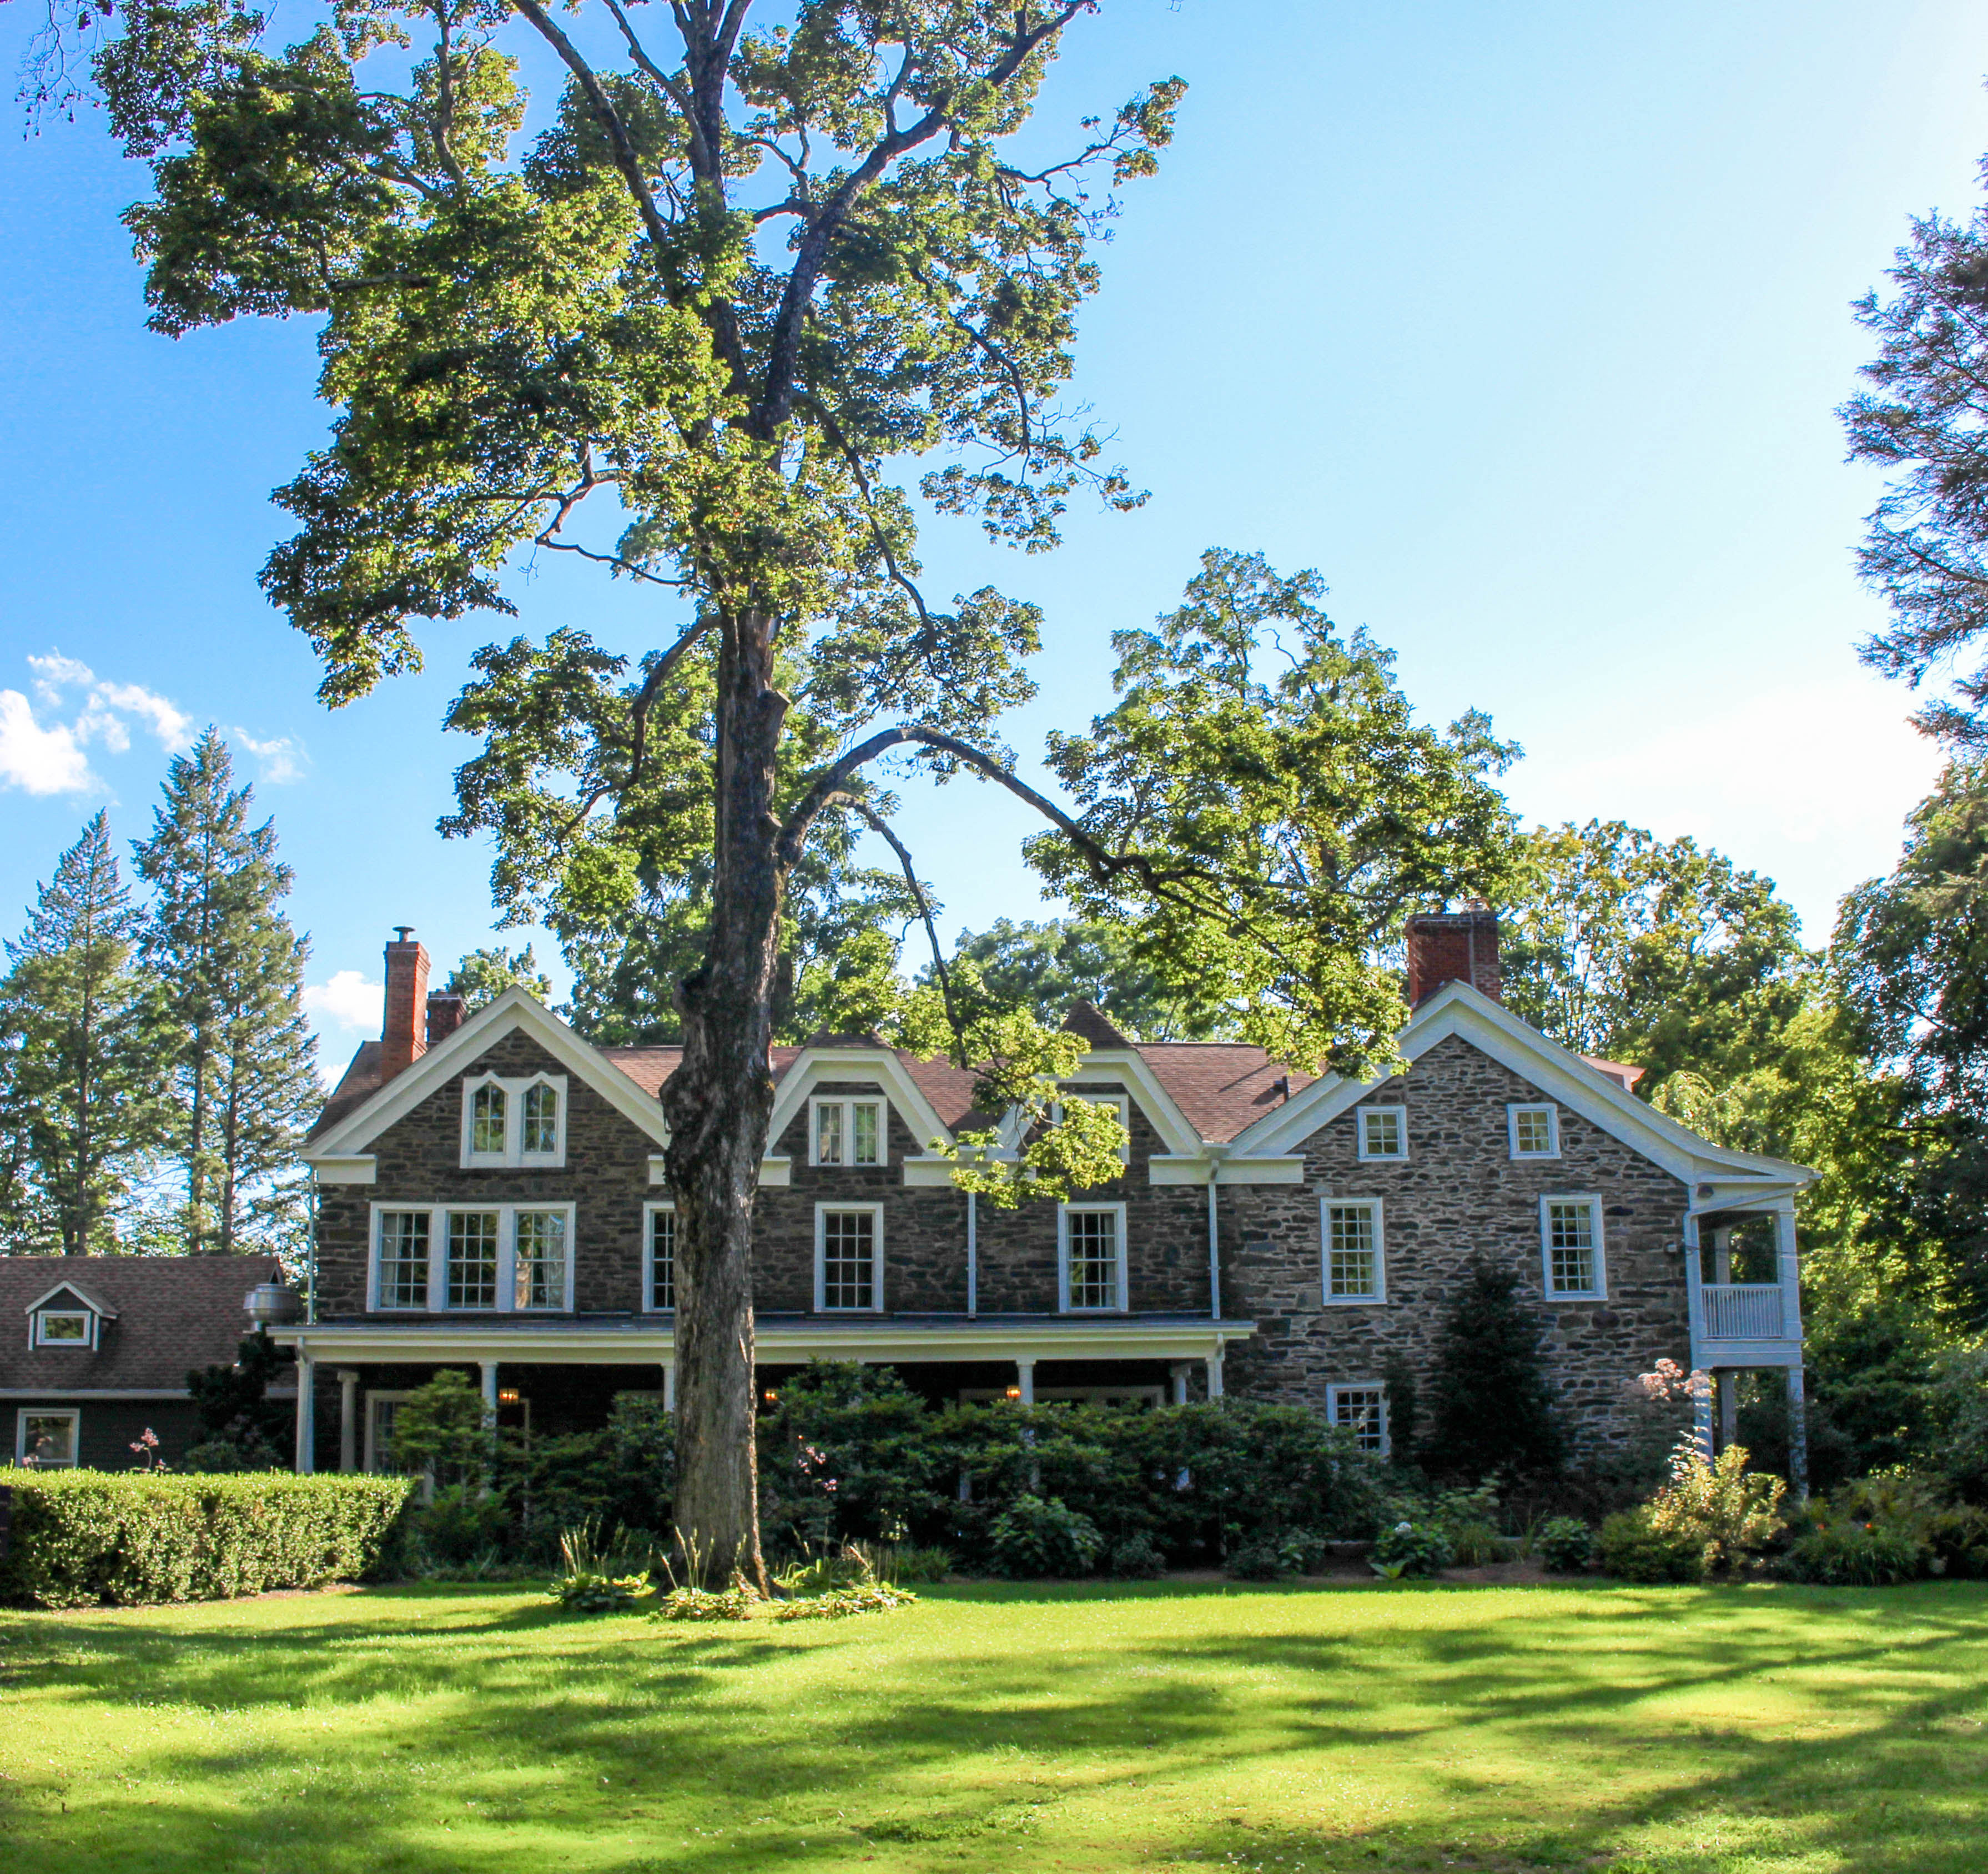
x,y
1014,1392
770,1396
509,1395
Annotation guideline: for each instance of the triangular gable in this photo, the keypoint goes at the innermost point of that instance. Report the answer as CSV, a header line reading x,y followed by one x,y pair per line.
x,y
861,1060
514,1010
1126,1065
88,1300
1456,1008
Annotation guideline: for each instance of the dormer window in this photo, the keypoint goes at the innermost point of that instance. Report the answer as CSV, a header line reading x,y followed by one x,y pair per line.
x,y
1118,1103
514,1122
847,1132
64,1328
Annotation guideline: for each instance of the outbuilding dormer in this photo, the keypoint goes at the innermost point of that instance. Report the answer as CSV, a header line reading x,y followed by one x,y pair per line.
x,y
68,1319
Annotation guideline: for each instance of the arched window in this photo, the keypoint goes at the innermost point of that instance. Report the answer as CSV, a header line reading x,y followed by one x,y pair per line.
x,y
486,1126
542,1128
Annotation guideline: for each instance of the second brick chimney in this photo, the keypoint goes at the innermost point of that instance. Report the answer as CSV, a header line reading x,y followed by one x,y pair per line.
x,y
1453,946
445,1015
404,1038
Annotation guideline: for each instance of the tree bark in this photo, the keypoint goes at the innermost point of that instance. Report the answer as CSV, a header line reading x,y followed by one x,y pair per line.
x,y
718,1105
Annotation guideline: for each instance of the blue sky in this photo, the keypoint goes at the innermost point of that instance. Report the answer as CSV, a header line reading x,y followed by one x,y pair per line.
x,y
1523,324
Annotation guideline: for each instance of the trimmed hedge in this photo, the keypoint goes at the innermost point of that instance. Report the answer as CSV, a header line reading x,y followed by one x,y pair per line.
x,y
135,1538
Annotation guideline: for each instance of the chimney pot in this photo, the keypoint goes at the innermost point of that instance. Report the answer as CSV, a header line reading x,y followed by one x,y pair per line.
x,y
1453,946
403,1040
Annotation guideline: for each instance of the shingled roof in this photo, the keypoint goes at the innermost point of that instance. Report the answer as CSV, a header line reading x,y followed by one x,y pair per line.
x,y
173,1313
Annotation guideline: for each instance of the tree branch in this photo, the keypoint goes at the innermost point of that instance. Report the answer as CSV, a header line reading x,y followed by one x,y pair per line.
x,y
639,714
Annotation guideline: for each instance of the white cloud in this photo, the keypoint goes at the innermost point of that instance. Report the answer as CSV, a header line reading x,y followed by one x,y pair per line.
x,y
1808,782
282,758
56,673
41,761
346,1001
172,727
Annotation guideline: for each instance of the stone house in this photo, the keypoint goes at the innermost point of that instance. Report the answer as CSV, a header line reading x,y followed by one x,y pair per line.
x,y
95,1350
491,1196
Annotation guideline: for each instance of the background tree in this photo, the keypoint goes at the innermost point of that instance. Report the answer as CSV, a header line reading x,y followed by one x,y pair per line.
x,y
81,1024
1926,547
241,1059
484,975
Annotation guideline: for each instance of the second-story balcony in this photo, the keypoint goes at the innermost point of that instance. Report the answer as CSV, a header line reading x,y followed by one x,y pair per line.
x,y
1743,1312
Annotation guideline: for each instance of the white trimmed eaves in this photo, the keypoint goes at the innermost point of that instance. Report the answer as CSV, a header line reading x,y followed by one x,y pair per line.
x,y
459,1053
1124,1066
813,1065
88,1300
1458,1010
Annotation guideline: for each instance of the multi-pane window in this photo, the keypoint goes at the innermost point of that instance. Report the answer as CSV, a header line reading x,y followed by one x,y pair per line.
x,y
488,1107
46,1440
847,1257
1353,1270
1118,1104
662,1258
1384,1131
514,1121
1363,1411
472,1258
849,1132
1535,1131
1572,1245
1092,1246
503,1258
62,1328
539,1259
541,1105
404,1259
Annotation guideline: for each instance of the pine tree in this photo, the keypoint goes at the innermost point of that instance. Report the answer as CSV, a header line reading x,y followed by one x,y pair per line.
x,y
1490,1408
242,1071
80,1018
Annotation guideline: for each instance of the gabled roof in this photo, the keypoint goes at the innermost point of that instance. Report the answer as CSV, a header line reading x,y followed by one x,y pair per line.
x,y
1715,1172
88,1300
172,1314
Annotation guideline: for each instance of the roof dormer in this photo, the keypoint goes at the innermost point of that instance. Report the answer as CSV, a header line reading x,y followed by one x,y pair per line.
x,y
68,1318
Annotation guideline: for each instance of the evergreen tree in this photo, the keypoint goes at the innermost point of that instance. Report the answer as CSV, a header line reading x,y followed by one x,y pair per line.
x,y
241,1072
1489,1408
82,1034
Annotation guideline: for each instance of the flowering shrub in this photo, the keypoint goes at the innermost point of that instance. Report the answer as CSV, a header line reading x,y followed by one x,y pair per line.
x,y
147,1446
1407,1549
1730,1512
1566,1545
1837,1552
1892,1526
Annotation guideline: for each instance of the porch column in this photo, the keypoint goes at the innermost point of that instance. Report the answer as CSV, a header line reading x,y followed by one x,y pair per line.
x,y
348,1419
1215,1375
1729,1406
1025,1377
1701,1417
1722,1256
669,1385
1177,1373
306,1457
1797,1433
489,1368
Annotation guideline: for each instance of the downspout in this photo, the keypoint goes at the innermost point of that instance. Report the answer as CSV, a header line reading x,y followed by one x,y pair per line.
x,y
1215,1155
973,1256
310,1267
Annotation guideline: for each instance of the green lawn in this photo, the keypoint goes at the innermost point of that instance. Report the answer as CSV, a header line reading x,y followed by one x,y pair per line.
x,y
1002,1731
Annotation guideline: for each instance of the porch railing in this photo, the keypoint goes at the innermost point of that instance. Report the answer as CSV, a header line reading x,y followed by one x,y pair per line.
x,y
1743,1310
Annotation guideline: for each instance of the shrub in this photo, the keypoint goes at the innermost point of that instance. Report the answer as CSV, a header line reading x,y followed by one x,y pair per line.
x,y
1633,1549
909,1562
839,1603
1566,1546
596,1577
1137,1557
1277,1556
624,1473
439,1428
1035,1536
461,1524
732,1603
1490,1408
1730,1512
136,1538
1407,1551
1837,1552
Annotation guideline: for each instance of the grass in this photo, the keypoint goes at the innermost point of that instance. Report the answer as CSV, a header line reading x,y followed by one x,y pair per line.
x,y
998,1730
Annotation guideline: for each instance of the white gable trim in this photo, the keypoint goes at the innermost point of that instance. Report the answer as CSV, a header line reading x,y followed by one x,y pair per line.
x,y
82,1294
813,1065
459,1053
1458,1010
1129,1068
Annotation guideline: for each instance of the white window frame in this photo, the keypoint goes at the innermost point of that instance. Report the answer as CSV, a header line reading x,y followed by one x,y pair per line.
x,y
1386,1447
370,1462
1401,1114
73,1413
1513,1108
1326,1207
848,1102
1122,1101
821,1214
507,1258
1122,1285
1600,1291
650,1212
514,1157
86,1316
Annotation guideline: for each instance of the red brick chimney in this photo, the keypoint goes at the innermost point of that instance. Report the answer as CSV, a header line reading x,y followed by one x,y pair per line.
x,y
403,1040
1453,946
445,1015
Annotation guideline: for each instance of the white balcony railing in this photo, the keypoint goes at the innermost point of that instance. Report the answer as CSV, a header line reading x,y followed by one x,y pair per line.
x,y
1743,1310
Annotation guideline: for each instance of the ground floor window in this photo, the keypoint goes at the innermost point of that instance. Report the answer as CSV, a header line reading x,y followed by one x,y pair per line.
x,y
46,1440
1361,1409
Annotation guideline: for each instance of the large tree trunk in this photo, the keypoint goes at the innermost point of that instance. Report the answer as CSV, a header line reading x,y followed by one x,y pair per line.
x,y
717,1104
